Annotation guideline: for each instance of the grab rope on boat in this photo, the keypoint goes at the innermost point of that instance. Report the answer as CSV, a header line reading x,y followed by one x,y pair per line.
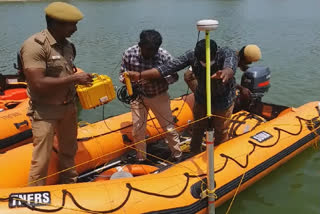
x,y
132,146
94,135
222,155
312,124
115,151
279,130
66,193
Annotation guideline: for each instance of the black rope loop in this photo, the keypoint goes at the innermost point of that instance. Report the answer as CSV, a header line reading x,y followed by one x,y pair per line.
x,y
4,199
300,119
131,188
161,195
66,193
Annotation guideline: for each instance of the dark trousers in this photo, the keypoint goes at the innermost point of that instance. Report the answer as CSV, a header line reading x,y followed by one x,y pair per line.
x,y
220,123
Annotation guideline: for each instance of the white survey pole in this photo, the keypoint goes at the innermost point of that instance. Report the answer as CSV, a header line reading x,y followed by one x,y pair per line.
x,y
207,26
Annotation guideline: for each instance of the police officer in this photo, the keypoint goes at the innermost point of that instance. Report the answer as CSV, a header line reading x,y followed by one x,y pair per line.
x,y
47,60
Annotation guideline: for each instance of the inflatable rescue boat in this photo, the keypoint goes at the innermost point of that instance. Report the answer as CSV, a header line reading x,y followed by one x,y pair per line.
x,y
15,127
263,137
12,87
98,143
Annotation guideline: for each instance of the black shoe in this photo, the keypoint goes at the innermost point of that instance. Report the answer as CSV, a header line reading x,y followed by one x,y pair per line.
x,y
193,153
183,156
174,159
186,155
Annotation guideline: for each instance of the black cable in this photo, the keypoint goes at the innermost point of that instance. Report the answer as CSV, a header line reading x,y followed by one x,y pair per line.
x,y
184,101
123,96
104,120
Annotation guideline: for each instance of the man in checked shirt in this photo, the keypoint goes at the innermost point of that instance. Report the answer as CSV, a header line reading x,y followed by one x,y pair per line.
x,y
146,55
223,64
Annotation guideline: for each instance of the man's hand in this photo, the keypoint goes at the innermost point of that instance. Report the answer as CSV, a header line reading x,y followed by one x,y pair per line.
x,y
225,75
134,76
121,78
83,78
245,93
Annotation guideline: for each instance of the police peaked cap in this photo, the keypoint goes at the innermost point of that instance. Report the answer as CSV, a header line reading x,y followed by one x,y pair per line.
x,y
63,12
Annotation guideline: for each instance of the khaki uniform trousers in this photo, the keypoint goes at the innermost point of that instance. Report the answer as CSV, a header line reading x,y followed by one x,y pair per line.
x,y
220,125
43,131
160,106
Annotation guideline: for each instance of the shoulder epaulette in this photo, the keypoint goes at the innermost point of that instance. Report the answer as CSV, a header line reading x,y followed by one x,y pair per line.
x,y
40,38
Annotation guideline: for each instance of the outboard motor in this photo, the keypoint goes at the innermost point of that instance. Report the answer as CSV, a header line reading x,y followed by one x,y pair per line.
x,y
257,80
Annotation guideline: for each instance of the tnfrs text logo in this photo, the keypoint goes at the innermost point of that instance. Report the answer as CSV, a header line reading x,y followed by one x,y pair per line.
x,y
30,198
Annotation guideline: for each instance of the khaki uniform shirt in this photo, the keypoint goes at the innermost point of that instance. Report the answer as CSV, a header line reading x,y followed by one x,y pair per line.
x,y
42,51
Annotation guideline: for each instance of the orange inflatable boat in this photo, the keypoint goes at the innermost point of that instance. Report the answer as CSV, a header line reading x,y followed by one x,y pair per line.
x,y
15,127
98,144
12,87
263,137
278,134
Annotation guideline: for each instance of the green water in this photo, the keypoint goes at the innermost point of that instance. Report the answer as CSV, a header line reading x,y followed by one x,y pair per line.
x,y
288,33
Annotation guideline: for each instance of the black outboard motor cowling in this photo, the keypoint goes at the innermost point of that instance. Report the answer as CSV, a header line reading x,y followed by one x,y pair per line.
x,y
257,80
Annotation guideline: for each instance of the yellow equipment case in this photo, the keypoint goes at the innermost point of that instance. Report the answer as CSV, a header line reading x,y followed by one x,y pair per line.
x,y
100,92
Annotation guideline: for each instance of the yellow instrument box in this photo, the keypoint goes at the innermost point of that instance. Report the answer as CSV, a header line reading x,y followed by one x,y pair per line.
x,y
100,92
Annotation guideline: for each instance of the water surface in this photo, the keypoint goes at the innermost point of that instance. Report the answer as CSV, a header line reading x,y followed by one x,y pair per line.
x,y
288,33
